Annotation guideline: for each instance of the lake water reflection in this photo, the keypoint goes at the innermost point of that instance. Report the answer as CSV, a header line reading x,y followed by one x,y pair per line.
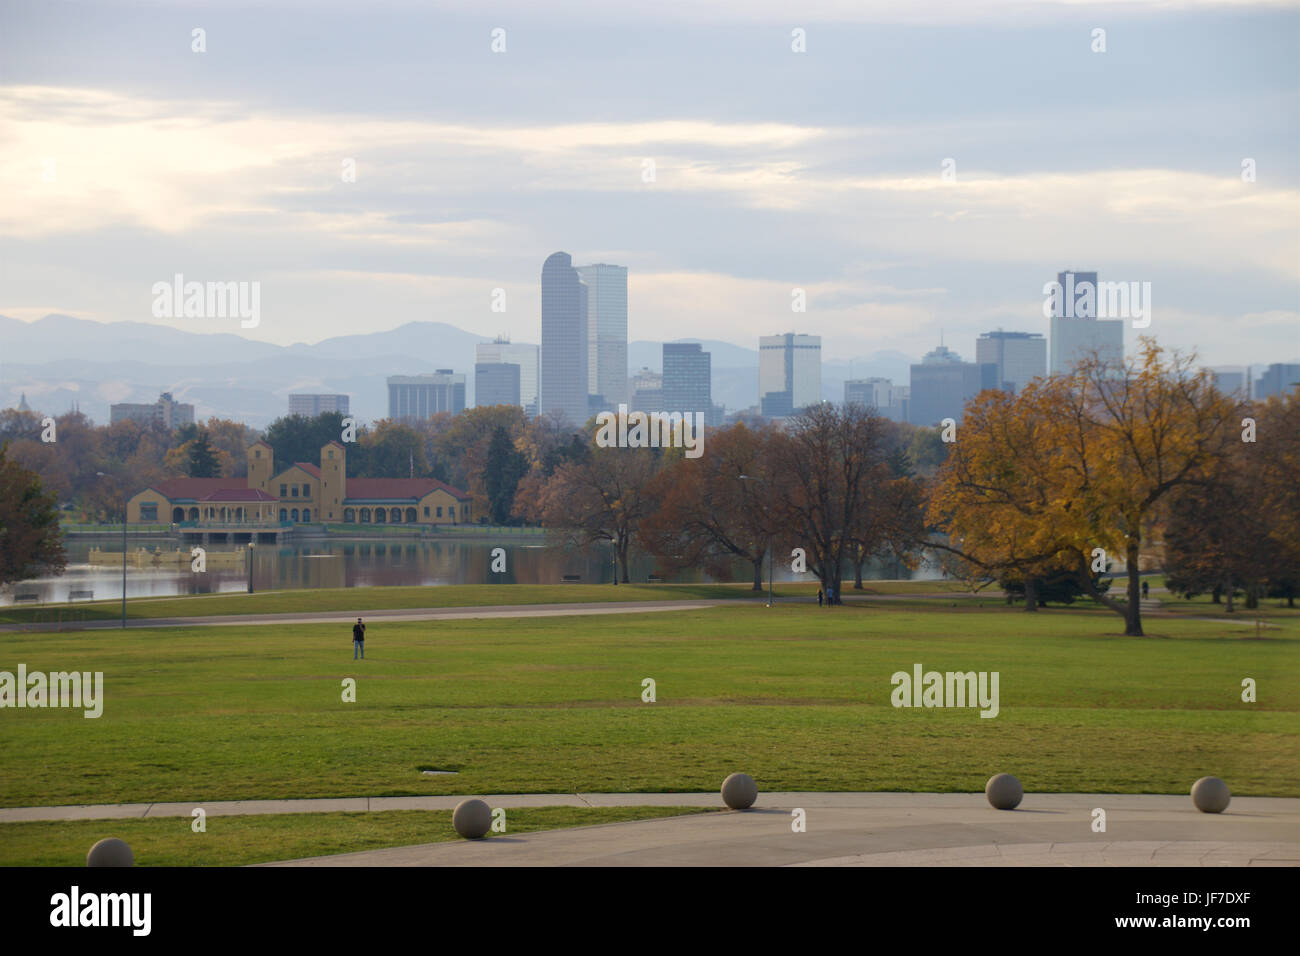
x,y
354,562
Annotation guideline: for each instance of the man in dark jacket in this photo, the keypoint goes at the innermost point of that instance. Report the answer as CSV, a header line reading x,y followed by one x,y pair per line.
x,y
358,640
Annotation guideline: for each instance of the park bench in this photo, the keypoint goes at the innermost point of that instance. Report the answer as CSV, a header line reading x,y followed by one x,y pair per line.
x,y
572,578
80,595
18,598
654,579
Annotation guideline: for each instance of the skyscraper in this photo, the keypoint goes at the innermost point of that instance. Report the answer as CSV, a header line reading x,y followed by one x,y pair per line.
x,y
1278,379
564,377
606,331
789,363
417,397
309,406
688,379
496,383
943,383
1076,332
1020,357
503,351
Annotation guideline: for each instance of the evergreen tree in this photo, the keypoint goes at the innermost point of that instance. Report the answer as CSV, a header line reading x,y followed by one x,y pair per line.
x,y
202,461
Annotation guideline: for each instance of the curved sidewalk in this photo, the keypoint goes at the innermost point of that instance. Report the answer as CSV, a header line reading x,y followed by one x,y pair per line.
x,y
890,829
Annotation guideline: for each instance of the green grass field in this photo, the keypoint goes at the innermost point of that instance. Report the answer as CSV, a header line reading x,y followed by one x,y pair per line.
x,y
796,696
241,840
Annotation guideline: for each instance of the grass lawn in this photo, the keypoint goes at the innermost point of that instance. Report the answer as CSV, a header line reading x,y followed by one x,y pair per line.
x,y
237,841
796,696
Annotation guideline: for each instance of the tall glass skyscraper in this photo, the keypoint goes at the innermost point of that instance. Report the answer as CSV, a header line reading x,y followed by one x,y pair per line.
x,y
606,331
687,381
563,385
789,364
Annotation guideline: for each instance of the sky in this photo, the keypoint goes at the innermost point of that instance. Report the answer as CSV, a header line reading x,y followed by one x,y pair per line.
x,y
126,158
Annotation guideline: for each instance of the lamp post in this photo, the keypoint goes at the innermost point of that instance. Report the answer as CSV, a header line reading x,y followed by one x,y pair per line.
x,y
100,474
251,545
769,537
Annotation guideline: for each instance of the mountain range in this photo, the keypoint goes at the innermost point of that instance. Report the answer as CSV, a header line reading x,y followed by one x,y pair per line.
x,y
60,362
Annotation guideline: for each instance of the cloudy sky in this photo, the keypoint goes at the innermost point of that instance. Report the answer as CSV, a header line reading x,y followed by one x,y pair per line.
x,y
126,157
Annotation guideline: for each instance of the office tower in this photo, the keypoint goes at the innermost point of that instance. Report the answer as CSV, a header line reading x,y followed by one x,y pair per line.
x,y
687,379
943,383
647,392
563,385
1020,357
606,331
309,406
417,397
1278,379
503,351
869,392
165,412
496,383
1076,332
789,363
1232,380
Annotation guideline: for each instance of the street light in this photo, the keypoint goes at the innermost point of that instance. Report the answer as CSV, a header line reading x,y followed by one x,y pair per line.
x,y
251,545
100,474
769,537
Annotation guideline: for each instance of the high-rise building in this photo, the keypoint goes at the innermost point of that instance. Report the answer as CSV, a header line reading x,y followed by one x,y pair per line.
x,y
606,331
888,400
687,379
1020,357
503,351
647,392
1279,379
1076,332
564,377
309,406
1232,380
943,383
417,397
790,363
496,383
165,412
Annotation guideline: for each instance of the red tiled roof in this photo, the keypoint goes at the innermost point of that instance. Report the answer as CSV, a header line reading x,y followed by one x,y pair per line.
x,y
313,470
239,494
382,488
193,487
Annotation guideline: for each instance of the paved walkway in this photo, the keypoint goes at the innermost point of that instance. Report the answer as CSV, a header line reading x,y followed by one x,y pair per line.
x,y
843,829
890,829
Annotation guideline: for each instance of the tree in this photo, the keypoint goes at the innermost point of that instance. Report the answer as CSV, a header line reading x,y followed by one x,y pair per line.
x,y
299,438
602,499
201,459
31,541
708,513
825,470
504,468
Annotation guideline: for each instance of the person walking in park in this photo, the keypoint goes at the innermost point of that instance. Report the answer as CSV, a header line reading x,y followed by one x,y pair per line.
x,y
358,640
819,597
1146,589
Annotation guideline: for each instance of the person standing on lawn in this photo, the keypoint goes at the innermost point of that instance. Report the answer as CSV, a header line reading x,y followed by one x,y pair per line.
x,y
358,640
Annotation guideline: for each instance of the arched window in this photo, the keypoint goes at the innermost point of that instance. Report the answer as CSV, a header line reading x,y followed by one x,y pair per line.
x,y
381,516
284,515
349,516
194,514
397,516
365,516
306,514
410,515
178,514
293,515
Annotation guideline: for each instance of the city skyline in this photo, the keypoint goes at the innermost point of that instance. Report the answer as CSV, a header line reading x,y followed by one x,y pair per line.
x,y
753,195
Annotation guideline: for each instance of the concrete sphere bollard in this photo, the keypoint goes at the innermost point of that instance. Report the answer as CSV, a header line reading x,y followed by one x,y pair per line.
x,y
1004,791
739,791
1211,795
472,818
110,852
